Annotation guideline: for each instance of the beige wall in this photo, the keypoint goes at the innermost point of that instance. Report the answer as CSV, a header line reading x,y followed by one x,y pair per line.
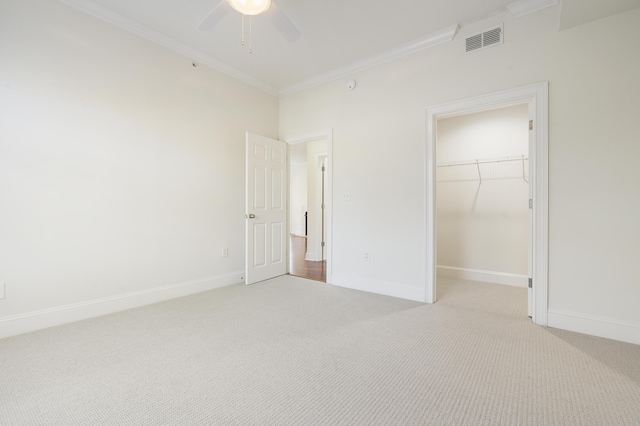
x,y
379,148
121,165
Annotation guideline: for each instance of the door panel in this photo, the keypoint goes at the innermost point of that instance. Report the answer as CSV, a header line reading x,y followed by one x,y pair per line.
x,y
278,188
277,244
266,169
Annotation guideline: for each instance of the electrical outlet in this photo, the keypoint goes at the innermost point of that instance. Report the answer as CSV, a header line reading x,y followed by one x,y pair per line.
x,y
225,252
346,196
367,256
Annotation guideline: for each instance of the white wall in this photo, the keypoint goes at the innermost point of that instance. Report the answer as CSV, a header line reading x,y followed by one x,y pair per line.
x,y
379,148
298,196
121,167
482,216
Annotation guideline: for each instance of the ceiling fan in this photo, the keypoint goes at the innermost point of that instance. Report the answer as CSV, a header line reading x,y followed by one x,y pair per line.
x,y
249,8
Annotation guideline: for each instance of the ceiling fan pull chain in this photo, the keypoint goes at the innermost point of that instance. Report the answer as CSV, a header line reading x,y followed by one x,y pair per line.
x,y
242,29
250,37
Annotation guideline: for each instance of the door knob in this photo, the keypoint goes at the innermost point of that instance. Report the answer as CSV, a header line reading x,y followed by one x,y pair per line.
x,y
250,216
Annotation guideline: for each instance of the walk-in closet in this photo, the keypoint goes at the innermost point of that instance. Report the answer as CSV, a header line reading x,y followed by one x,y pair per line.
x,y
482,195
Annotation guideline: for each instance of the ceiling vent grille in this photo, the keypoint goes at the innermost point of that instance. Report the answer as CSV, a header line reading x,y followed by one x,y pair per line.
x,y
484,39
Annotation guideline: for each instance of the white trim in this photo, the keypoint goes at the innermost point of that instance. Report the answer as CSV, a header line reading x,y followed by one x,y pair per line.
x,y
379,287
439,37
108,15
537,96
37,320
326,134
524,7
518,9
505,278
154,36
595,325
308,137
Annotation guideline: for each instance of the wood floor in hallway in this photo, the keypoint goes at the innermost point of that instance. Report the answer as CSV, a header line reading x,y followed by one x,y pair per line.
x,y
300,267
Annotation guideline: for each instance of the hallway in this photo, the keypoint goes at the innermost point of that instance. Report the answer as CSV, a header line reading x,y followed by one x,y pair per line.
x,y
304,268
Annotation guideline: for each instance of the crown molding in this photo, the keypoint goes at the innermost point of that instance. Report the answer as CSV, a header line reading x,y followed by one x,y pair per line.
x,y
154,36
518,8
439,37
524,7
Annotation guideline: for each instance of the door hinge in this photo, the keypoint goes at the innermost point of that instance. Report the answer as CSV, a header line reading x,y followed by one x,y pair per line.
x,y
530,282
530,124
323,168
322,244
530,203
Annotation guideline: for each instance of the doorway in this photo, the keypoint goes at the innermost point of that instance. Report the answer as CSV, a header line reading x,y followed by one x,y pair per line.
x,y
482,193
307,188
310,206
536,97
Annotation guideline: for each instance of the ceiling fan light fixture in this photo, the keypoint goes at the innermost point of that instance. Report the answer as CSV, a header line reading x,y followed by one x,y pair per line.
x,y
250,7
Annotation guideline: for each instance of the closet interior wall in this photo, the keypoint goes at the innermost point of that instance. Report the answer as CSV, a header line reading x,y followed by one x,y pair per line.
x,y
482,195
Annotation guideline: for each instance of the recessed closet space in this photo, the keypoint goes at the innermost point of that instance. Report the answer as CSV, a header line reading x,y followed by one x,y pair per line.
x,y
482,196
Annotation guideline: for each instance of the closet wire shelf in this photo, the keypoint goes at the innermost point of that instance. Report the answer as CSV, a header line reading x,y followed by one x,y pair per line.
x,y
513,167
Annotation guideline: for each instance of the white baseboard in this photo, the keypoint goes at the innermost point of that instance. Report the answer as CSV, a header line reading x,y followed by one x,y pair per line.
x,y
609,328
384,288
37,320
505,278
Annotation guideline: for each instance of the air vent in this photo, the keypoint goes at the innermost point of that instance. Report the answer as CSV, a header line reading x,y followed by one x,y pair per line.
x,y
484,39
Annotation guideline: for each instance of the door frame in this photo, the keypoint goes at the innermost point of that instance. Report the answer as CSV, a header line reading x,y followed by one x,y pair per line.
x,y
325,134
537,96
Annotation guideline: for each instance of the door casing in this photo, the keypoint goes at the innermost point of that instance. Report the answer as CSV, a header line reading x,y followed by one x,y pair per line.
x,y
537,96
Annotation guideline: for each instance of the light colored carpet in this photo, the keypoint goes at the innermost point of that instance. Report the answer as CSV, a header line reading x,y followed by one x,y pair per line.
x,y
296,352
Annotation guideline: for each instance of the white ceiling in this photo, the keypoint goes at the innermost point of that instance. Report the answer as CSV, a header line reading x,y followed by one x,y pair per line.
x,y
337,36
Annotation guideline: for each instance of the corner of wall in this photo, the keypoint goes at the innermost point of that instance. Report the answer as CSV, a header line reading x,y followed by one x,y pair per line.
x,y
38,320
594,325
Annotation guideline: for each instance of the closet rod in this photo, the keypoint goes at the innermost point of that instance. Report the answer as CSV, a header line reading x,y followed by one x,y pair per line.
x,y
473,163
477,163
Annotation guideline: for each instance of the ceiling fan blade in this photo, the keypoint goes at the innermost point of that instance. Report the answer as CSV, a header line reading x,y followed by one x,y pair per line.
x,y
282,23
216,14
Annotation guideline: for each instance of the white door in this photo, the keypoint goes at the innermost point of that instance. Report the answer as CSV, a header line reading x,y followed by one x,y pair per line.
x,y
266,214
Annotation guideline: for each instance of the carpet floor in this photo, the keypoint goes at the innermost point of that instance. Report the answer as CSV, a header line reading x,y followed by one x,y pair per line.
x,y
291,351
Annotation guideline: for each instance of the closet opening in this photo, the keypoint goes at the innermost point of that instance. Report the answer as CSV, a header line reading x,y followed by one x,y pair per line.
x,y
536,96
483,221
